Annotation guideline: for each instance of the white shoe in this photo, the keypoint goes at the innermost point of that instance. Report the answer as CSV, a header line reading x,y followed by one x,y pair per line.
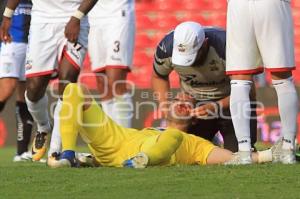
x,y
54,161
285,156
59,163
276,151
24,157
240,158
85,160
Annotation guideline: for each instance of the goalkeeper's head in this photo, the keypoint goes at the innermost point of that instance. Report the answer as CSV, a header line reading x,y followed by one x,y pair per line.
x,y
179,111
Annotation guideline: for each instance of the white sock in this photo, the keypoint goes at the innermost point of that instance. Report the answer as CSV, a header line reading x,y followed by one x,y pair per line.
x,y
264,156
241,112
288,110
123,110
55,144
39,112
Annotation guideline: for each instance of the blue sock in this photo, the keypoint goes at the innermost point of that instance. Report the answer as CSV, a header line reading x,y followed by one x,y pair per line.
x,y
68,154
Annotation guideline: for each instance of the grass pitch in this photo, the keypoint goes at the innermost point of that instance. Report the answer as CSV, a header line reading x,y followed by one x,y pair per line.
x,y
35,180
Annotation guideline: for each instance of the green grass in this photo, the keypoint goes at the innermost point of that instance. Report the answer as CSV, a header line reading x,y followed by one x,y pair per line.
x,y
35,180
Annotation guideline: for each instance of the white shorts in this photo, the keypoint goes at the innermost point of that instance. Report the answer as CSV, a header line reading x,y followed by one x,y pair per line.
x,y
47,45
259,35
111,43
12,60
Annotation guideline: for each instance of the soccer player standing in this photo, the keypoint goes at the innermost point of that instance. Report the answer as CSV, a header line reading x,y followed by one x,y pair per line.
x,y
260,37
112,32
12,76
58,37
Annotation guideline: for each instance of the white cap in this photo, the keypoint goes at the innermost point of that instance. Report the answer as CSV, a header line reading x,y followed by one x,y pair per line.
x,y
188,39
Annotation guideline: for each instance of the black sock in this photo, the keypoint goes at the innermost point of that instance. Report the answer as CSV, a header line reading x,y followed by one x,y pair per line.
x,y
2,105
24,127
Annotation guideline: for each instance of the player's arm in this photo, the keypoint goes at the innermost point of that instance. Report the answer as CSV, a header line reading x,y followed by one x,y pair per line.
x,y
6,22
160,77
73,26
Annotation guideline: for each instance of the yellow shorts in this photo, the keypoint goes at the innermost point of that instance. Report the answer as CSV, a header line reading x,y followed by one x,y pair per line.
x,y
193,150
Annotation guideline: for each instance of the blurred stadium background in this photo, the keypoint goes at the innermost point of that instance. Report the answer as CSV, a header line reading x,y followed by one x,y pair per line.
x,y
154,18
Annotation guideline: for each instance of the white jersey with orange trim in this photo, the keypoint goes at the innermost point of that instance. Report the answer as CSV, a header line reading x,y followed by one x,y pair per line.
x,y
111,9
53,11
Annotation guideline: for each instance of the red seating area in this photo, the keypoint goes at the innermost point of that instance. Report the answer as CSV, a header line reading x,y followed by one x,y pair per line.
x,y
154,18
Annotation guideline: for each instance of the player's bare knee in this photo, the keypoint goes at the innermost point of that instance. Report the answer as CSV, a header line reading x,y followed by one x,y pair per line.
x,y
281,75
35,90
36,87
247,77
68,75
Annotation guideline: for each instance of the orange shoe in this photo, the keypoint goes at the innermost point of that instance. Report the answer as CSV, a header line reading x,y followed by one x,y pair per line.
x,y
39,146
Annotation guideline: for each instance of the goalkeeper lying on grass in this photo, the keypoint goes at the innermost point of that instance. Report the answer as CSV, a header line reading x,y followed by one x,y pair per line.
x,y
116,146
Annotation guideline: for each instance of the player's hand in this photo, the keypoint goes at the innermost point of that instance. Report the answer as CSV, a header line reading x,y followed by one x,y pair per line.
x,y
206,110
4,30
72,30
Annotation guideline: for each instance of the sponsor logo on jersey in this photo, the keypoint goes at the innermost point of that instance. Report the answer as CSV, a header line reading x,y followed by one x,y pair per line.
x,y
191,79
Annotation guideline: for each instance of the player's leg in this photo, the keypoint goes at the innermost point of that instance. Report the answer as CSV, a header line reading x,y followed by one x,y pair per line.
x,y
288,111
7,86
41,61
8,76
278,56
81,113
24,122
242,61
12,73
228,134
157,149
116,52
224,156
23,117
67,73
71,56
118,97
37,103
196,150
69,117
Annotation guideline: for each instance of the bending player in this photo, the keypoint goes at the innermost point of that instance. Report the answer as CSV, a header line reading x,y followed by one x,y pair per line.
x,y
114,145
